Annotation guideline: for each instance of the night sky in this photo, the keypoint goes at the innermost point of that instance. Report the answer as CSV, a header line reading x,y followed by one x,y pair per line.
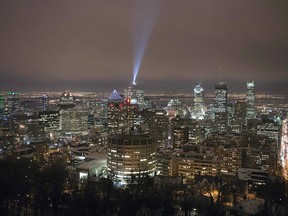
x,y
90,45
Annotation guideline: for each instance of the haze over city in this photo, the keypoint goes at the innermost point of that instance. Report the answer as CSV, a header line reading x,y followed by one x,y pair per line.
x,y
96,45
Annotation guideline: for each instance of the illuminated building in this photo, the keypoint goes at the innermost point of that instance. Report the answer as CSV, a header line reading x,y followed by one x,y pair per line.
x,y
199,108
115,112
35,131
9,104
50,120
269,128
193,161
229,115
131,154
161,122
18,122
239,114
231,160
252,151
164,162
98,116
174,108
180,136
261,158
250,101
91,168
13,101
101,108
45,102
72,119
179,132
220,107
186,131
3,114
66,100
136,95
131,146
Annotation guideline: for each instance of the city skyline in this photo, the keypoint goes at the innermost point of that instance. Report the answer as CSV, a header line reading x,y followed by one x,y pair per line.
x,y
91,46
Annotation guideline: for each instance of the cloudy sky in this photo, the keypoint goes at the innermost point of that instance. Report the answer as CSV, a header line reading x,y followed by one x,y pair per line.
x,y
92,45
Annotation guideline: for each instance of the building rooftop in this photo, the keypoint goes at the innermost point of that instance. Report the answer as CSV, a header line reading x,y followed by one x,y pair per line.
x,y
114,96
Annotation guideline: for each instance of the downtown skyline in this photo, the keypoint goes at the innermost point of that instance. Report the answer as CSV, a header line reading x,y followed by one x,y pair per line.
x,y
91,45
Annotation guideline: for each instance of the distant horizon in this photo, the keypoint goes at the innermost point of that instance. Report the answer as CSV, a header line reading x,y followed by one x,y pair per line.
x,y
150,87
239,89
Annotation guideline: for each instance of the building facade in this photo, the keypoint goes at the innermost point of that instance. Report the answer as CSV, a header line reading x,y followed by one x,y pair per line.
x,y
250,101
131,154
220,107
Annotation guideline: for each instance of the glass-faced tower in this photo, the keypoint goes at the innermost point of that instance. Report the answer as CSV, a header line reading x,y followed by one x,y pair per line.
x,y
199,108
250,101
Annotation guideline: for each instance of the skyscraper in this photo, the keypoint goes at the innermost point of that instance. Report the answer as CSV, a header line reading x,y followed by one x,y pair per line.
x,y
131,146
239,115
45,102
115,112
73,119
199,108
250,101
220,107
136,95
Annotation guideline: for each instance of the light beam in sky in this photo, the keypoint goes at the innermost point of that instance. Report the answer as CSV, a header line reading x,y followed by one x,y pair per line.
x,y
144,19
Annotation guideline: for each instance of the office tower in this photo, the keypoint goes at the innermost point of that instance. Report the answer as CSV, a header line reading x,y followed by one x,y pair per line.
x,y
220,107
250,101
73,120
135,95
13,101
199,108
229,115
269,128
66,100
35,131
239,114
131,146
186,131
115,112
45,102
179,131
50,120
161,122
100,109
174,108
132,154
98,115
